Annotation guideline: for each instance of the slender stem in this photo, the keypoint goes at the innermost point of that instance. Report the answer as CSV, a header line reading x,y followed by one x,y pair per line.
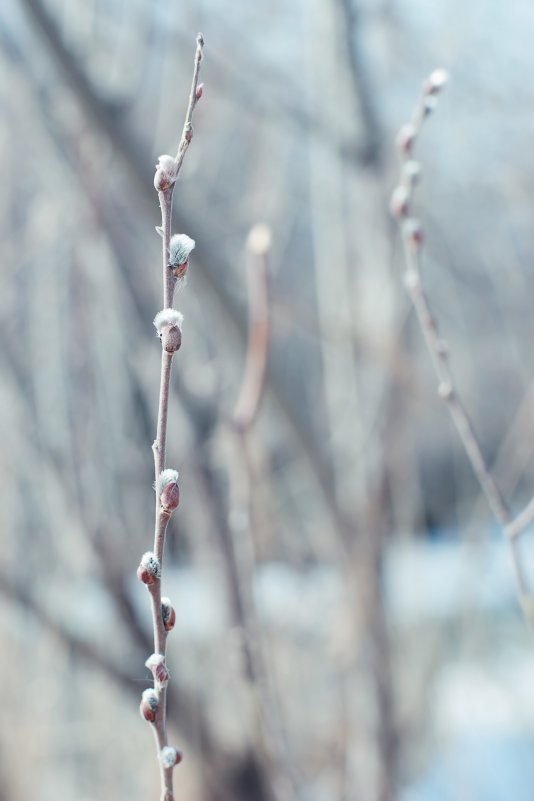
x,y
162,516
272,745
160,442
252,384
194,97
437,348
165,202
521,522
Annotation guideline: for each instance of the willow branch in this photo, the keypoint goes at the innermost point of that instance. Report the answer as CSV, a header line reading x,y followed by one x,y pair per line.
x,y
412,235
168,323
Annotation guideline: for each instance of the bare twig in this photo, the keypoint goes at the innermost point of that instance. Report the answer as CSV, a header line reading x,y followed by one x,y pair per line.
x,y
175,254
241,555
258,313
521,522
412,234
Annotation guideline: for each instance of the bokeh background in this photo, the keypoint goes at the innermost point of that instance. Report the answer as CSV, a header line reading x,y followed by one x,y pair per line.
x,y
343,543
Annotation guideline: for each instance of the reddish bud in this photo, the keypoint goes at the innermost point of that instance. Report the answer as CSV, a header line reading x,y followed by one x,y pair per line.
x,y
406,137
168,489
158,668
171,338
199,90
149,705
168,324
168,614
180,270
169,756
413,233
180,247
170,497
149,569
165,173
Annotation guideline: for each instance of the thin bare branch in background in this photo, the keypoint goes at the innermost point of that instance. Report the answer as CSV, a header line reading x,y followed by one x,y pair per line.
x,y
412,235
242,522
259,244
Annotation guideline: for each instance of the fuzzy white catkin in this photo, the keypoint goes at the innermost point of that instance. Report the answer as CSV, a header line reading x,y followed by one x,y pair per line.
x,y
151,563
168,756
168,317
168,476
150,697
154,660
167,164
180,247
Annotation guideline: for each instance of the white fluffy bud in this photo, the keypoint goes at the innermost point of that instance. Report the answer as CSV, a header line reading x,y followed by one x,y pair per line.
x,y
180,247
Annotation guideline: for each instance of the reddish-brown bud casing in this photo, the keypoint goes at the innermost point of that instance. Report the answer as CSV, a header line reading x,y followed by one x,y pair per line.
x,y
168,614
170,496
171,338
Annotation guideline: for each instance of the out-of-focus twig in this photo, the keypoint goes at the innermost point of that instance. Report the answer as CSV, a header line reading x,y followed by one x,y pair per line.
x,y
259,243
371,151
241,548
412,234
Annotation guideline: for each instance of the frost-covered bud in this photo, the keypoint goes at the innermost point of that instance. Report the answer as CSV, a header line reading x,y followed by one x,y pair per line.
x,y
413,233
180,247
435,82
158,668
149,705
445,391
399,203
406,137
168,614
168,324
169,756
165,173
168,490
149,569
198,91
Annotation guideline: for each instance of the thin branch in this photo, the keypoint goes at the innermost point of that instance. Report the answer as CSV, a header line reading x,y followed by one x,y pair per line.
x,y
175,258
371,150
259,242
521,522
240,550
412,234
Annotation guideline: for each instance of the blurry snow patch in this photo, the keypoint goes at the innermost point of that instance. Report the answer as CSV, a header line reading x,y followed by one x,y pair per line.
x,y
493,698
479,768
305,600
435,580
84,607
